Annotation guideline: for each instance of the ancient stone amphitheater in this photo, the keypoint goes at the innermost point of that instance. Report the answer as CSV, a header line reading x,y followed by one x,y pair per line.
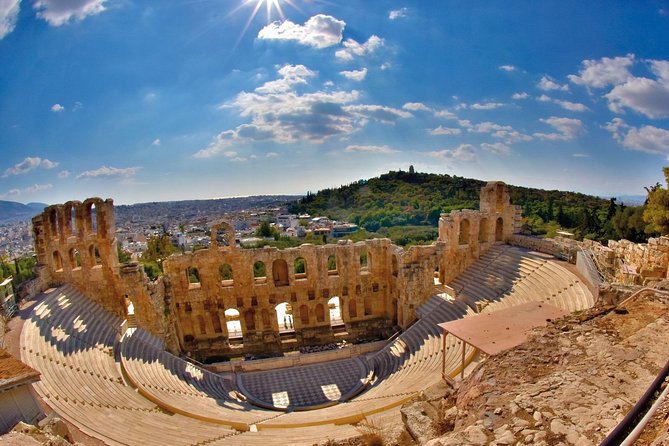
x,y
117,353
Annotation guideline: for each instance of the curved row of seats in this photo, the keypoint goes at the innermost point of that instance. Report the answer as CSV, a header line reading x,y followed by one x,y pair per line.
x,y
506,276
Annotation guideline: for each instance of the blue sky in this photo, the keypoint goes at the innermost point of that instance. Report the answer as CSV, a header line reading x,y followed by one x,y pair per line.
x,y
184,99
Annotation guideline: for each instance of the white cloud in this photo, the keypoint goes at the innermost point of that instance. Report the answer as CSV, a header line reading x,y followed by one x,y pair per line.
x,y
580,155
319,31
112,172
9,11
271,155
278,113
353,48
28,190
647,96
59,12
57,108
464,152
445,114
369,149
497,148
511,136
647,139
521,95
398,13
486,106
547,84
355,75
441,130
566,129
603,72
156,142
567,105
63,174
29,163
507,68
416,106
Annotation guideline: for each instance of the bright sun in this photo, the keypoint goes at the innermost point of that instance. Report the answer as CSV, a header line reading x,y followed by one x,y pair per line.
x,y
270,7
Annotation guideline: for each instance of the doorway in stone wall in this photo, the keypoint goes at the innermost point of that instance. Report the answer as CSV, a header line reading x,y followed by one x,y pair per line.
x,y
284,318
233,324
334,306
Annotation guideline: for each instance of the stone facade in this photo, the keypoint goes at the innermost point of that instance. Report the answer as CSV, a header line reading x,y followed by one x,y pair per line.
x,y
222,301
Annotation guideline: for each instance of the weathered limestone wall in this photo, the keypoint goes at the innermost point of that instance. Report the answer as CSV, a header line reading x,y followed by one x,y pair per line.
x,y
633,263
560,247
377,285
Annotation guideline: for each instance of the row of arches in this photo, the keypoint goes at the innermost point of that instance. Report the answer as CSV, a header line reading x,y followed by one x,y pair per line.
x,y
74,259
280,273
464,233
284,319
74,219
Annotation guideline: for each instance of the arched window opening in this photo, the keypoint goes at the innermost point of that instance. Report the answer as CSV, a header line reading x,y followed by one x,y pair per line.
x,y
437,276
483,230
92,218
300,268
499,230
75,258
266,322
94,254
193,276
232,323
394,266
225,274
280,272
352,309
70,223
320,313
364,261
259,272
304,315
53,223
201,324
464,232
57,261
332,265
216,322
368,306
334,307
250,320
284,317
499,197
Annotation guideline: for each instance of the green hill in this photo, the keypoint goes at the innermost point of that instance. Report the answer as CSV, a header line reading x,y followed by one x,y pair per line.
x,y
413,201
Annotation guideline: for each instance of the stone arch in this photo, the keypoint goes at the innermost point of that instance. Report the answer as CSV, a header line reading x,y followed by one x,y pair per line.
x,y
53,223
369,310
352,308
332,265
334,308
280,272
193,276
364,260
320,313
232,323
94,255
57,261
75,258
464,232
216,322
266,320
300,265
225,274
90,217
259,271
69,218
201,324
499,229
284,316
304,315
250,320
483,230
223,234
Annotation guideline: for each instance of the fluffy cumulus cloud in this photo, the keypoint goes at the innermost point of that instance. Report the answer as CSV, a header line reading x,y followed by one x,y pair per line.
x,y
60,12
603,72
355,75
644,95
29,163
497,148
57,108
521,95
441,130
278,112
28,190
566,129
354,49
319,31
398,13
507,68
9,11
369,149
567,105
547,83
109,172
647,138
416,106
464,152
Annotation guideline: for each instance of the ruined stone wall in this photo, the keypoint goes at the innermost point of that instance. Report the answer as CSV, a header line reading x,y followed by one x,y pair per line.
x,y
467,234
632,263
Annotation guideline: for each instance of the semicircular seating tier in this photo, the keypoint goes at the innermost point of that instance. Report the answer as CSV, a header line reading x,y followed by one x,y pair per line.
x,y
134,392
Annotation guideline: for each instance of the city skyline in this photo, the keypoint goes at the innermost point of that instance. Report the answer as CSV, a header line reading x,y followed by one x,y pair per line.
x,y
205,99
